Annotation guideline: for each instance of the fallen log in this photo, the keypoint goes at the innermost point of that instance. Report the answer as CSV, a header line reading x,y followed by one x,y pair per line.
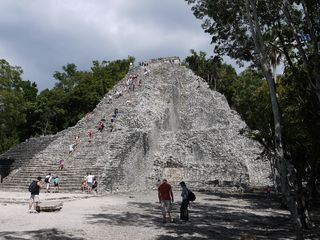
x,y
49,206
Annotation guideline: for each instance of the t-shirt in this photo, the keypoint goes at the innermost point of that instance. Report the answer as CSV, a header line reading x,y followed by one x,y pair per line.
x,y
49,178
184,193
56,180
37,189
164,190
90,178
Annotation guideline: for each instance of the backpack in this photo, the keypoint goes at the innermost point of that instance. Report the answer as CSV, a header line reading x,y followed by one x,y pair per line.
x,y
33,187
191,196
46,180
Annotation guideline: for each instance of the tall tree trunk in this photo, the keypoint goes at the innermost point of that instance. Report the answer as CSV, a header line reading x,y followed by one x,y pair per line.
x,y
285,169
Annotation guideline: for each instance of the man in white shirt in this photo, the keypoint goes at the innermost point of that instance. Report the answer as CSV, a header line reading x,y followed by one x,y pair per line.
x,y
90,182
47,181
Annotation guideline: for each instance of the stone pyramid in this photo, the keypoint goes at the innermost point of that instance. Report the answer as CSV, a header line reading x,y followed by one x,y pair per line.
x,y
171,126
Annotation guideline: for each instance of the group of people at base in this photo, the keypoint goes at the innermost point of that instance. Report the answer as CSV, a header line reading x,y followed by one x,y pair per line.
x,y
56,183
34,189
166,199
90,184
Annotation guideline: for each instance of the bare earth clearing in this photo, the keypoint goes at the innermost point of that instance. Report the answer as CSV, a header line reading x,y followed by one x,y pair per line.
x,y
137,216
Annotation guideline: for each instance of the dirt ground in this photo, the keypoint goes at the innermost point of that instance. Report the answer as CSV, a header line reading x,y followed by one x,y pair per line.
x,y
137,216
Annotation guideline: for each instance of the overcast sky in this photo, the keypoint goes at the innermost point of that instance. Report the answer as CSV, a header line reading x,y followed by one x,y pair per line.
x,y
41,36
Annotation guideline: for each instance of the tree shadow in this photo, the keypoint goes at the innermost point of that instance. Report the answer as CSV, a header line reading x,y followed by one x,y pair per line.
x,y
48,234
208,220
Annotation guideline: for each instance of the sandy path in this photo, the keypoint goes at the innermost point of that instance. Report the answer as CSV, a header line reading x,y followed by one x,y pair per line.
x,y
137,216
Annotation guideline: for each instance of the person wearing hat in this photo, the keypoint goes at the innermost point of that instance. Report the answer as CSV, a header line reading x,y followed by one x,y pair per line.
x,y
184,213
166,199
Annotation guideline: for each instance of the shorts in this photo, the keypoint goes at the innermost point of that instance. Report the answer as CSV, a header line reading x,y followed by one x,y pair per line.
x,y
35,198
56,184
47,185
90,184
166,206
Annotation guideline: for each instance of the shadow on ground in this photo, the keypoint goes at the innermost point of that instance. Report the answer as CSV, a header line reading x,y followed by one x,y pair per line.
x,y
209,219
48,234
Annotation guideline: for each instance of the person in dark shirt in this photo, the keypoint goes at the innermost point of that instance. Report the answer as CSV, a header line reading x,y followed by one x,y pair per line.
x,y
184,213
34,198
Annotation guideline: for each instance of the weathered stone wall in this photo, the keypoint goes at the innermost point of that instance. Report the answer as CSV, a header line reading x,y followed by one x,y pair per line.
x,y
172,126
22,154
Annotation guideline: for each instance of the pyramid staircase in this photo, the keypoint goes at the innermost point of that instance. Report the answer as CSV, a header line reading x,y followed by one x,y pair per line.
x,y
99,156
171,126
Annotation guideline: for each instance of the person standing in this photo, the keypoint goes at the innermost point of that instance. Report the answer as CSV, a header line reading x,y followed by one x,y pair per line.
x,y
34,189
90,182
71,148
47,181
56,184
268,192
184,213
165,196
95,185
61,164
109,99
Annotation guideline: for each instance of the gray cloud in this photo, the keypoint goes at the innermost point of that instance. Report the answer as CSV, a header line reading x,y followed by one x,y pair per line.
x,y
42,36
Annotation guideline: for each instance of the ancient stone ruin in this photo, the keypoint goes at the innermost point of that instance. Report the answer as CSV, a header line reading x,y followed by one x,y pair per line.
x,y
171,126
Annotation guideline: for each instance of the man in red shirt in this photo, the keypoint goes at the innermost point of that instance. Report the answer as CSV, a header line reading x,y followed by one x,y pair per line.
x,y
166,199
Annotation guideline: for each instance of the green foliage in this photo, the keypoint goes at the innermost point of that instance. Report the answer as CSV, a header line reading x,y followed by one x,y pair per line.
x,y
264,33
301,114
14,95
248,94
24,113
76,93
219,76
251,99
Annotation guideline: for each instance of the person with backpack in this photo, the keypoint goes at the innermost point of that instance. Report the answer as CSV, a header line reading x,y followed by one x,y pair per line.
x,y
187,196
34,189
47,181
95,185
